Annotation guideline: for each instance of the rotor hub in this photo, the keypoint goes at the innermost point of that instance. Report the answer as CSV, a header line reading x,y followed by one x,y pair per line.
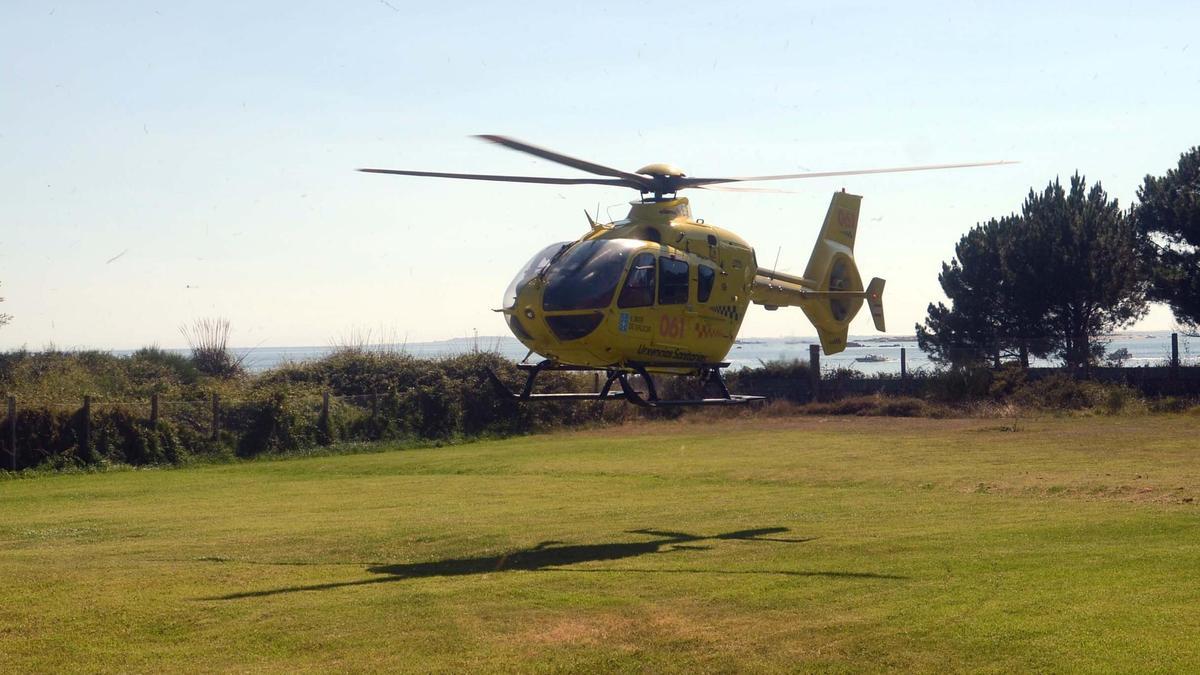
x,y
665,179
661,169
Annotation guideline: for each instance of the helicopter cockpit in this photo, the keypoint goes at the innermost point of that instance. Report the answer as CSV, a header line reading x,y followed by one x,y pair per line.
x,y
586,276
583,276
583,279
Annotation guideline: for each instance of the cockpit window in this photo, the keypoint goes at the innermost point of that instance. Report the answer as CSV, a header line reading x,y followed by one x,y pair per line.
x,y
638,290
672,281
586,276
531,269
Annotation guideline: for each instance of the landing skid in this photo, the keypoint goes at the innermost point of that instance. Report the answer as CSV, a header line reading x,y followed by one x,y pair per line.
x,y
709,373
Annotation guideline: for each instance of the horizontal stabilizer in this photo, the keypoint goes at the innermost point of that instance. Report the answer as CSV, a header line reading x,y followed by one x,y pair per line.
x,y
875,302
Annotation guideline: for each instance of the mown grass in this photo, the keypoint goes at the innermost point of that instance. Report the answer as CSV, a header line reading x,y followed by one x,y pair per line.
x,y
825,543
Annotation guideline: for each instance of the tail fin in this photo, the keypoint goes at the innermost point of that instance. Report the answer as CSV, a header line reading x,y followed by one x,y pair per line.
x,y
838,233
832,267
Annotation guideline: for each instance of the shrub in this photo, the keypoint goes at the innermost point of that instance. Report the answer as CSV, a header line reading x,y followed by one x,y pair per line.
x,y
1060,392
44,433
1116,398
118,435
777,379
1007,380
903,407
1169,404
958,384
273,426
859,405
156,366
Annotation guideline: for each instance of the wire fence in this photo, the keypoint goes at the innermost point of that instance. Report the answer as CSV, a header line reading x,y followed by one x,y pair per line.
x,y
156,428
161,429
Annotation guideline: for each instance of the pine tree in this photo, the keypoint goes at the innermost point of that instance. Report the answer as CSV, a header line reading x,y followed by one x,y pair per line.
x,y
985,322
1048,281
1078,255
1168,219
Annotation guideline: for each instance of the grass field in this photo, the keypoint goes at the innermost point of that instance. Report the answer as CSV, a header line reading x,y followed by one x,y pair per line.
x,y
806,543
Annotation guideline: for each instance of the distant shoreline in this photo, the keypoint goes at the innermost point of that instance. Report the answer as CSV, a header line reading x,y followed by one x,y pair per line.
x,y
1145,347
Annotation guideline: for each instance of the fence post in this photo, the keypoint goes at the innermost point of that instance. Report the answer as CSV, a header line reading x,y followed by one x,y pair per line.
x,y
87,423
12,429
903,364
1174,355
216,416
323,420
814,371
154,409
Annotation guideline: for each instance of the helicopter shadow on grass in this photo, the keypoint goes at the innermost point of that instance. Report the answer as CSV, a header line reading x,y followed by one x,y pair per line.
x,y
553,556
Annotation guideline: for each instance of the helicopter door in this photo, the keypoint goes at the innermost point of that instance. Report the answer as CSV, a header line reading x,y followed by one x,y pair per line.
x,y
635,302
674,312
710,328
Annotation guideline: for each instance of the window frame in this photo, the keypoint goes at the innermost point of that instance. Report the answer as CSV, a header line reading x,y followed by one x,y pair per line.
x,y
712,283
652,287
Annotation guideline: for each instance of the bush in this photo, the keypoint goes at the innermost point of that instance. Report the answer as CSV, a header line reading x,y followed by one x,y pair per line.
x,y
1169,404
1007,380
904,406
119,436
1116,398
158,366
1059,392
958,384
43,434
869,406
777,379
273,426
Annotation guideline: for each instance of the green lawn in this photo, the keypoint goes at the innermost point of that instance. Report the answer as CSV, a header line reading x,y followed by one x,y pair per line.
x,y
771,544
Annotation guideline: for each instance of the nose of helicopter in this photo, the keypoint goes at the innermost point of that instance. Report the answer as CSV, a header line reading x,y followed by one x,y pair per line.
x,y
561,296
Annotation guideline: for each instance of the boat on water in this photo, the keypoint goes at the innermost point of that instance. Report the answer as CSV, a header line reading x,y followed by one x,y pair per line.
x,y
872,358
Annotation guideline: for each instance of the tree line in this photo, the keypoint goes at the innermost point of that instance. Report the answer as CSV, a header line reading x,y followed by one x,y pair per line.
x,y
1050,280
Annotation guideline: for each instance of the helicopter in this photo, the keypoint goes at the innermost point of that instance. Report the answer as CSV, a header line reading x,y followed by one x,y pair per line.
x,y
662,293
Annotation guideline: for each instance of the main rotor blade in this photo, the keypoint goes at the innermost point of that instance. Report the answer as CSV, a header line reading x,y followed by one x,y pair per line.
x,y
510,179
698,182
582,165
725,188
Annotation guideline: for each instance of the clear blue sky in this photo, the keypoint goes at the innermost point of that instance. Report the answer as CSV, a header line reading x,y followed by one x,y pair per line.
x,y
209,147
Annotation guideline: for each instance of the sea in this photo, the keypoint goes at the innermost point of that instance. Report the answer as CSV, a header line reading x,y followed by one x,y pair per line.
x,y
870,354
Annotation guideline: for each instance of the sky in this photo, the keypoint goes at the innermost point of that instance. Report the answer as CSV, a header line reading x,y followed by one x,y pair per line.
x,y
163,162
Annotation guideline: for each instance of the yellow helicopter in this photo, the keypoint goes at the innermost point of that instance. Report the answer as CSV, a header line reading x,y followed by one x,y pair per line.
x,y
660,292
